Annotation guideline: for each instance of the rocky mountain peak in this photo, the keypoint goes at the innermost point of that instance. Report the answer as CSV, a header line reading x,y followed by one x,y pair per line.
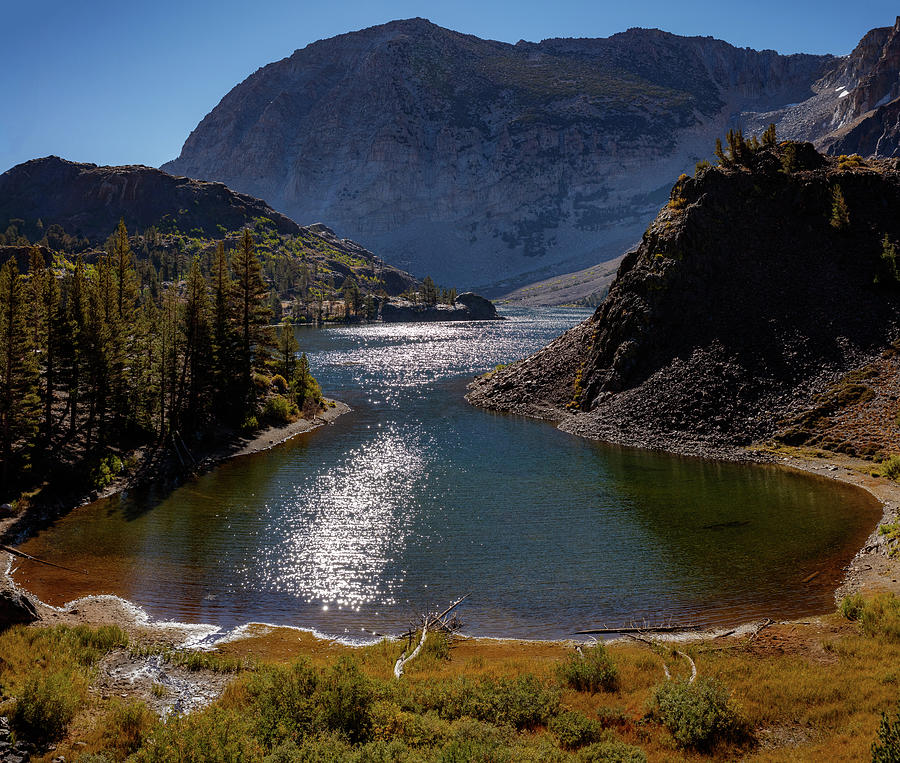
x,y
481,163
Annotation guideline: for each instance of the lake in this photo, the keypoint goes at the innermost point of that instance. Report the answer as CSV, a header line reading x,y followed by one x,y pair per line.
x,y
415,498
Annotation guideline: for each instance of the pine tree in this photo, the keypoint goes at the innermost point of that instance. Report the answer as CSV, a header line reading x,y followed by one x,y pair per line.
x,y
287,356
44,323
768,137
250,292
197,341
19,402
840,212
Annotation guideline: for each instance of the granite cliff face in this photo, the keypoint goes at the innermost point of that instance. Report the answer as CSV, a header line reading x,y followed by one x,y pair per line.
x,y
747,297
479,162
856,106
88,201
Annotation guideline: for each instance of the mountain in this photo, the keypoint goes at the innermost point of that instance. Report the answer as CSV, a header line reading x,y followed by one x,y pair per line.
x,y
308,266
856,103
480,162
88,201
752,295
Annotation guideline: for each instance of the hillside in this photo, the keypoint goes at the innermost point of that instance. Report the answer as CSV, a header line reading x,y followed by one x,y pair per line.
x,y
172,219
482,162
87,201
755,289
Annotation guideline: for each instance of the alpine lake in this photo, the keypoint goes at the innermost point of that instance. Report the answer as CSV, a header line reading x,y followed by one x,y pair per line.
x,y
415,498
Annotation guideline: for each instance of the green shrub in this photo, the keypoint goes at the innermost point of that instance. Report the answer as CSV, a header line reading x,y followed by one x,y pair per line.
x,y
574,730
346,697
106,472
892,533
698,714
890,467
127,726
522,702
212,734
886,747
878,615
46,705
280,383
282,702
612,752
593,670
279,410
251,424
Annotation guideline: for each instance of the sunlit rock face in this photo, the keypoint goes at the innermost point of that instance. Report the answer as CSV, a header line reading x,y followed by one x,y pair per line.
x,y
856,106
479,162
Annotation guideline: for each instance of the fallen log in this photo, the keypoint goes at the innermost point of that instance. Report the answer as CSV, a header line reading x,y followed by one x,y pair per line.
x,y
23,555
658,629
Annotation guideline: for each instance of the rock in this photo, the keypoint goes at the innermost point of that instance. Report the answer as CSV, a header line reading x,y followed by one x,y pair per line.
x,y
468,307
742,298
90,200
6,510
16,608
475,160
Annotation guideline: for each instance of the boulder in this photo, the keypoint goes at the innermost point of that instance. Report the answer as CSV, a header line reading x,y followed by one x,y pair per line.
x,y
16,608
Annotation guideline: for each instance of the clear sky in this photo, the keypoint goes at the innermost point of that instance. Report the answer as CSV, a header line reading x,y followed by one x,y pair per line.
x,y
125,82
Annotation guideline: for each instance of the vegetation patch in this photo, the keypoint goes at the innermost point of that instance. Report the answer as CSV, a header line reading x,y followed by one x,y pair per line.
x,y
592,670
699,715
878,615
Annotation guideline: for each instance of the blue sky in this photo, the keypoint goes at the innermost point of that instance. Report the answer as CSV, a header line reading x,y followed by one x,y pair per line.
x,y
126,82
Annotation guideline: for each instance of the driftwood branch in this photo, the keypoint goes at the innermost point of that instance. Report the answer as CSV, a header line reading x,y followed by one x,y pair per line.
x,y
16,552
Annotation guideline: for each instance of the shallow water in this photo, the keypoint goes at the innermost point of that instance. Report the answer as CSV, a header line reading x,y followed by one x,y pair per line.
x,y
415,498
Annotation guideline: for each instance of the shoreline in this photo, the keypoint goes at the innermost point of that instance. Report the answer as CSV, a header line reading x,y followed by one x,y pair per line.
x,y
99,610
18,527
871,569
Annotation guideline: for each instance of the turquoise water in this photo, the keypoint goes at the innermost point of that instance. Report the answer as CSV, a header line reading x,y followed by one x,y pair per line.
x,y
415,498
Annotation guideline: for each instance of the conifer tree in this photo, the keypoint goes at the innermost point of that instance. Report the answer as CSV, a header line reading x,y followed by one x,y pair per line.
x,y
250,292
287,356
19,405
840,212
197,341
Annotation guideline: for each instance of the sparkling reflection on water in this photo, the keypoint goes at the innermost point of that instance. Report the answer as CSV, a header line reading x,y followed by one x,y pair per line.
x,y
415,498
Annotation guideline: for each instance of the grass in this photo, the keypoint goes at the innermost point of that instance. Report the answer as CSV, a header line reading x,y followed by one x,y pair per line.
x,y
830,683
891,531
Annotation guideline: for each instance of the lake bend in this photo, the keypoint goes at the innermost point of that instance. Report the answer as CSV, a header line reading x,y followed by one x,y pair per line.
x,y
415,498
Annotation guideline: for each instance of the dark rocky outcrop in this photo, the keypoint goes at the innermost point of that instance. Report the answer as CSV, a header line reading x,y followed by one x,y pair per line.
x,y
479,162
467,307
16,609
88,201
746,297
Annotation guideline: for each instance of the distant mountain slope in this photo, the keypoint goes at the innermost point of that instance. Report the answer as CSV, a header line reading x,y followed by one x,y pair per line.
x,y
310,264
757,287
856,106
478,161
88,201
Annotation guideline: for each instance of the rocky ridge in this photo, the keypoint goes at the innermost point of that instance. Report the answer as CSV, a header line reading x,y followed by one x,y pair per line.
x,y
856,105
479,162
88,201
747,297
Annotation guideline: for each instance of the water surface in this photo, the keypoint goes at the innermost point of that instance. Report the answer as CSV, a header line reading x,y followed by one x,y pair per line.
x,y
415,498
